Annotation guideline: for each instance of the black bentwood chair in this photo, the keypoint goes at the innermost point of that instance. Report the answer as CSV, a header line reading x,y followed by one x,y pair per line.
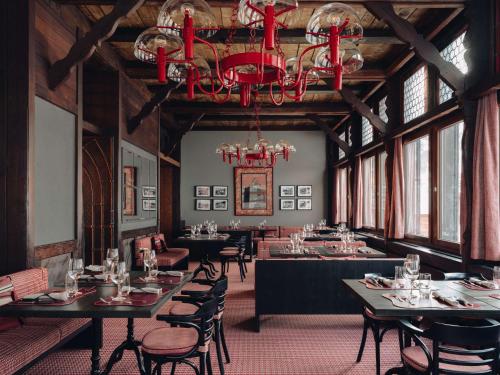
x,y
190,303
188,336
237,253
456,349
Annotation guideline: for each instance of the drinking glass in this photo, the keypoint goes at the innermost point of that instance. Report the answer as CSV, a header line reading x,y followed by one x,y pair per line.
x,y
107,268
193,231
118,279
126,285
399,277
147,260
496,276
70,284
424,282
412,270
153,269
76,269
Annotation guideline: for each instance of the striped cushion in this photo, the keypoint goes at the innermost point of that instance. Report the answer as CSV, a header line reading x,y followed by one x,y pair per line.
x,y
174,341
169,258
195,287
65,326
183,309
29,281
20,346
229,253
6,290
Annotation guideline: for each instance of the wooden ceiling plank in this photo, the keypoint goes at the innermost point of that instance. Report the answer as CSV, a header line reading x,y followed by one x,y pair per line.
x,y
235,109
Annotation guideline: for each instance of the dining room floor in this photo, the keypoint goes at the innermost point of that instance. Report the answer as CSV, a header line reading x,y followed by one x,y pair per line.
x,y
288,344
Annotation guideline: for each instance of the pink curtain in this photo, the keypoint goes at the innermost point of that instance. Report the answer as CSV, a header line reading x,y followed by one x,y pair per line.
x,y
337,197
394,213
357,217
485,228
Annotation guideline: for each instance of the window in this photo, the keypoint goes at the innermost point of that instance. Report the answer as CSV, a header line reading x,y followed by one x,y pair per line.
x,y
381,189
366,131
414,95
341,152
382,109
453,53
369,192
342,195
348,135
450,166
417,187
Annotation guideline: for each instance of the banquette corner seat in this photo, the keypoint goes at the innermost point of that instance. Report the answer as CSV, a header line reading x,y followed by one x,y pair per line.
x,y
169,258
25,340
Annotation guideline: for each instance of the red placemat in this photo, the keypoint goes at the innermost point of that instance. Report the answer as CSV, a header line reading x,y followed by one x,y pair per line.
x,y
161,279
82,292
496,296
133,299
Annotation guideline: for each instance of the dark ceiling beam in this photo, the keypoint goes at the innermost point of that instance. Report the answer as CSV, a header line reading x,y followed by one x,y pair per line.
x,y
425,49
303,3
187,128
85,46
251,117
149,107
241,36
359,106
330,133
287,109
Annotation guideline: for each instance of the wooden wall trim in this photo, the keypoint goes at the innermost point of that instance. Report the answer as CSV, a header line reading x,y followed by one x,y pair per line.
x,y
54,249
138,232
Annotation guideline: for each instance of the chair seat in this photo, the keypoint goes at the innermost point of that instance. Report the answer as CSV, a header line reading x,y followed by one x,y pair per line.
x,y
195,287
370,314
414,357
229,253
170,341
181,308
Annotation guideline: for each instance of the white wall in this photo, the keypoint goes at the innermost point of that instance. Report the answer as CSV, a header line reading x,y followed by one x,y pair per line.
x,y
200,165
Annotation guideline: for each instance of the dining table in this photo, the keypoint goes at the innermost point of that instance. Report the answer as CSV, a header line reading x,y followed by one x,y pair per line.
x,y
486,302
91,306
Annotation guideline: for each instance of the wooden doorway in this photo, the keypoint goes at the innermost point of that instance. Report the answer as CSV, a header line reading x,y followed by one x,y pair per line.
x,y
169,198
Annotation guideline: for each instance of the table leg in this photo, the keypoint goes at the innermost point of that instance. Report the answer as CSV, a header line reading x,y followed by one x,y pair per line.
x,y
96,345
129,344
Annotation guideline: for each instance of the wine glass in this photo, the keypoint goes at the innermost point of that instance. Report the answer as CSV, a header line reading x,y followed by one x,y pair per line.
x,y
118,278
412,270
75,269
147,261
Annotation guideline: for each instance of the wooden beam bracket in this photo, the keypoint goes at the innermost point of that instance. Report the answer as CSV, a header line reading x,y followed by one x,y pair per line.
x,y
85,47
189,126
330,133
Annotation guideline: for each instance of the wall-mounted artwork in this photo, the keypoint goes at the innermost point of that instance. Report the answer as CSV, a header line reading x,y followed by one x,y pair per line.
x,y
149,205
253,189
219,204
304,204
287,191
219,191
304,191
287,204
202,191
202,204
129,196
149,191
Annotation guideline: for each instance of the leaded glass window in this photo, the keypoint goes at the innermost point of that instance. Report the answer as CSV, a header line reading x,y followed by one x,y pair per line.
x,y
366,131
382,109
341,152
414,94
454,53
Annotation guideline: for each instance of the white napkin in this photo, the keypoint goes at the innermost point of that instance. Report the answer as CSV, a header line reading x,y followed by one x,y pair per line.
x,y
32,297
484,283
364,250
95,268
101,277
446,300
146,290
60,296
171,273
385,282
85,277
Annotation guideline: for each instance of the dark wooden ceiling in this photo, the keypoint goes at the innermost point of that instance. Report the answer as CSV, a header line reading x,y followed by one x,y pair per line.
x,y
383,52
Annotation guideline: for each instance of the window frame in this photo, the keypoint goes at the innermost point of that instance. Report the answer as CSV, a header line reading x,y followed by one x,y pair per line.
x,y
375,153
427,92
432,130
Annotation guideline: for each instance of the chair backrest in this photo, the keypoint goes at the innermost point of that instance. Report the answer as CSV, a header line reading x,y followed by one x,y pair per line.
x,y
205,318
456,276
478,338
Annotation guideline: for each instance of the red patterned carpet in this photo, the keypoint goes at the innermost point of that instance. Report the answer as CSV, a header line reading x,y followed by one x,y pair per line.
x,y
307,345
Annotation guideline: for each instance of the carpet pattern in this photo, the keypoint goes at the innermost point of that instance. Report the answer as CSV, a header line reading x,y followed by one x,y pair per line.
x,y
286,345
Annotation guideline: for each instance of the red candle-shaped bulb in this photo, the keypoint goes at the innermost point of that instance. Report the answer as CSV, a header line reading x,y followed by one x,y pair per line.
x,y
269,27
161,64
188,34
190,83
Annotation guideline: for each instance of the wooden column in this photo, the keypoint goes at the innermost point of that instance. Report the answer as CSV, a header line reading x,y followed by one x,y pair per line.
x,y
17,97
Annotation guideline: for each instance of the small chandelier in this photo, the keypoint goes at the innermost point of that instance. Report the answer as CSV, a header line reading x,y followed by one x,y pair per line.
x,y
260,154
333,29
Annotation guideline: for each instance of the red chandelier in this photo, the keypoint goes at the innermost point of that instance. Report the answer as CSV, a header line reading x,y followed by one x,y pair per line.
x,y
333,29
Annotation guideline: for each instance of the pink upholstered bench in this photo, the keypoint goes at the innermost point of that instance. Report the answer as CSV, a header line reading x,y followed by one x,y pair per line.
x,y
24,340
168,258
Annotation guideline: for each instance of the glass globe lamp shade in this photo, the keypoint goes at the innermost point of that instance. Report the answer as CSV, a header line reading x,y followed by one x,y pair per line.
x,y
352,60
178,72
247,15
172,14
333,14
292,69
150,40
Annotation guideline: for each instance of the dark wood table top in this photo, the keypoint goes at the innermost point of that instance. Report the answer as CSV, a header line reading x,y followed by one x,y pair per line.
x,y
204,237
373,299
280,251
85,308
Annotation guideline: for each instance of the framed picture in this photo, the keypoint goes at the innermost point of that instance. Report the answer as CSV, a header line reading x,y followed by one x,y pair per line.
x,y
202,204
304,191
253,191
287,204
149,191
219,204
304,204
219,191
149,204
202,191
129,196
287,191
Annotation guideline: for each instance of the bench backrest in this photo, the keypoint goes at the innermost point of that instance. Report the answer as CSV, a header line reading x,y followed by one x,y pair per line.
x,y
29,281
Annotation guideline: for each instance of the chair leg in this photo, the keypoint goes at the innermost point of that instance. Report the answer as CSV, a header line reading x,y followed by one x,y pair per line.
x,y
376,338
203,363
244,263
223,266
363,341
158,369
172,371
224,345
209,364
218,346
147,365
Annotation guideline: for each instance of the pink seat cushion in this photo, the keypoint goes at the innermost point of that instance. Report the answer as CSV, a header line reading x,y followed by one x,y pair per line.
x,y
229,253
21,345
415,357
195,287
169,258
181,308
29,281
173,341
65,326
6,296
372,315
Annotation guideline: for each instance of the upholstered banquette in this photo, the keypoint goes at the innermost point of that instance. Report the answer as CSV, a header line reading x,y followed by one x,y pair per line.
x,y
24,340
168,257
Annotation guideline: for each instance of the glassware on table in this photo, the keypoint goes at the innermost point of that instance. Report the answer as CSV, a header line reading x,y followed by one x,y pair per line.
x,y
412,270
424,284
153,271
126,285
108,268
399,277
496,276
70,284
118,278
76,269
193,231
